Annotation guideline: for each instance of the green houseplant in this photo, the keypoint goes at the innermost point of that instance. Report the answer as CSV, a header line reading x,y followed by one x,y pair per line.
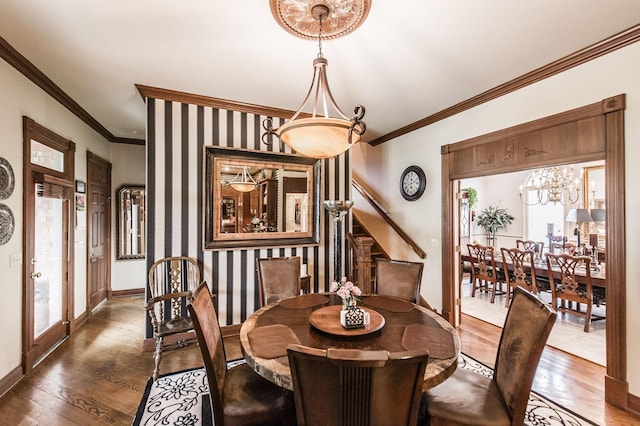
x,y
472,196
493,219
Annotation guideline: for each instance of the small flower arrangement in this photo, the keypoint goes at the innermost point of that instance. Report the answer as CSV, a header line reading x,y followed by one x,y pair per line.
x,y
347,291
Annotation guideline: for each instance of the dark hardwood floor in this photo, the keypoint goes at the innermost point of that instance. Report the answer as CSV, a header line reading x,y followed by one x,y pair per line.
x,y
98,375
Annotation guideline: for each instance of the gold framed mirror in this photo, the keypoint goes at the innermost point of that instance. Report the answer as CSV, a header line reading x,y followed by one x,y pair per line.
x,y
131,222
255,199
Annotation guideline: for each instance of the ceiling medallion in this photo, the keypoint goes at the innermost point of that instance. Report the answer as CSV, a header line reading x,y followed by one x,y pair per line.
x,y
296,17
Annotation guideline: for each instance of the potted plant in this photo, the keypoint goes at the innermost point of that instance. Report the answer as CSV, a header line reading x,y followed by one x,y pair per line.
x,y
493,219
472,197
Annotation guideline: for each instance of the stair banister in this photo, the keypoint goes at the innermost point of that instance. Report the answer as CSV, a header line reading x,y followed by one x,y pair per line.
x,y
376,205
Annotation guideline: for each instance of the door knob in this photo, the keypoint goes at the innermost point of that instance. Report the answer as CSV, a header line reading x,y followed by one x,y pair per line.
x,y
36,275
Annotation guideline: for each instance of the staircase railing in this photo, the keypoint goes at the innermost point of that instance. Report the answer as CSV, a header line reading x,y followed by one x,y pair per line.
x,y
376,205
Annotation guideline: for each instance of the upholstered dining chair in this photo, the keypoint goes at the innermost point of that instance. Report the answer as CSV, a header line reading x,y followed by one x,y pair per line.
x,y
278,278
398,278
520,270
239,396
486,275
351,387
567,288
469,398
172,281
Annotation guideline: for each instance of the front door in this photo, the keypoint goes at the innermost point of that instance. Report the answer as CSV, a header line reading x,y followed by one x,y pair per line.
x,y
48,230
98,226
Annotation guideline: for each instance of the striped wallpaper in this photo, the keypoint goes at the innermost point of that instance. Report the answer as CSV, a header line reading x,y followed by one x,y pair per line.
x,y
176,135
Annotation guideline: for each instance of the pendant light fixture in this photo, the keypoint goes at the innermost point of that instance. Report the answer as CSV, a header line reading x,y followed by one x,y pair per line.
x,y
243,182
552,184
321,135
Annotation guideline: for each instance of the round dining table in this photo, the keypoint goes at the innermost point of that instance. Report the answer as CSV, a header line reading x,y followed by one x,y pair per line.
x,y
313,320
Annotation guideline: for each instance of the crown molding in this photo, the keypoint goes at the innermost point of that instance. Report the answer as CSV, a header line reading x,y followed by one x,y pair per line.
x,y
29,70
604,47
23,65
190,98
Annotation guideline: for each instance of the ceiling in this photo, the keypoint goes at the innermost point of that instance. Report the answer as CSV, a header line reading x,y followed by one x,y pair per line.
x,y
409,59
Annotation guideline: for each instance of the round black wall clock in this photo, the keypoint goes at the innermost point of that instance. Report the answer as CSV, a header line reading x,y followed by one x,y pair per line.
x,y
413,182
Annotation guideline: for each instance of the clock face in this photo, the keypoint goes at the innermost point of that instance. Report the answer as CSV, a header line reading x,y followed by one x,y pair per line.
x,y
412,183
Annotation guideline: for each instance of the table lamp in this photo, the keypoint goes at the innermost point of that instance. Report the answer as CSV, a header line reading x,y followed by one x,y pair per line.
x,y
579,216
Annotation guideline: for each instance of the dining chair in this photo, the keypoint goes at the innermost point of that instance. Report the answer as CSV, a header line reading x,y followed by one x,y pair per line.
x,y
239,396
172,281
520,270
352,387
536,246
469,398
557,248
567,288
487,276
398,278
278,278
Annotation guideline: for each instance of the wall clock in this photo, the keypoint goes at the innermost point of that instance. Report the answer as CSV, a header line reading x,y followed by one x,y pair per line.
x,y
413,182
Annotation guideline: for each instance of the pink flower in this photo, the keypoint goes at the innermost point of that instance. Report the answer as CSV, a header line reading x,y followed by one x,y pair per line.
x,y
343,292
346,290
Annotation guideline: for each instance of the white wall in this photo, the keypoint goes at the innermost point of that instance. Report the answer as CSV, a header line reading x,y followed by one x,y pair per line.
x,y
21,98
128,168
380,166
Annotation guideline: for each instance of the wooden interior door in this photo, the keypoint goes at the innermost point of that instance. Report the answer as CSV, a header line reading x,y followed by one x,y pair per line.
x,y
98,230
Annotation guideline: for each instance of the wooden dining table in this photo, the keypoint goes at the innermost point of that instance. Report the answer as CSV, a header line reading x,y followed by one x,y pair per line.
x,y
598,277
313,320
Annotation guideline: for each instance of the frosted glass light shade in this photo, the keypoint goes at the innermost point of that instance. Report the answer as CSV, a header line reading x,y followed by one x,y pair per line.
x,y
318,137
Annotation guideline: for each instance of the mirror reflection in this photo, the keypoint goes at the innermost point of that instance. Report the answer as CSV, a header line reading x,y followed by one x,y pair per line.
x,y
131,226
256,197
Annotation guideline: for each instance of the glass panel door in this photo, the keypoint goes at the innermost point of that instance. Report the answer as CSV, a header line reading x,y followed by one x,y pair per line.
x,y
48,263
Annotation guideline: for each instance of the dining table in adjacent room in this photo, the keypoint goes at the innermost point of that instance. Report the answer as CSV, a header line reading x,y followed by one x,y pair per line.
x,y
313,320
597,272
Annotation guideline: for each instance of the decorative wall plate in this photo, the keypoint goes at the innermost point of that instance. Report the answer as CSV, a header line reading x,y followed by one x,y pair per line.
x,y
7,179
7,224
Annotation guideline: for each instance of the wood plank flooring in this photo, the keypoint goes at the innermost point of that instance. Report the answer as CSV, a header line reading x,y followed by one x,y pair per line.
x,y
98,375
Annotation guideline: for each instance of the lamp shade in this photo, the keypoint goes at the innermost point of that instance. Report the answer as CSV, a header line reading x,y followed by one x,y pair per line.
x,y
243,182
598,215
579,216
318,137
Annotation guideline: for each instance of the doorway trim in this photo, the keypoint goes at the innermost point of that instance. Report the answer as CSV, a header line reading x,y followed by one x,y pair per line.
x,y
32,173
592,132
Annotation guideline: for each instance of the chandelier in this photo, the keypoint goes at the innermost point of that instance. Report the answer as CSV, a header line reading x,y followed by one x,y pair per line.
x,y
243,182
321,135
552,184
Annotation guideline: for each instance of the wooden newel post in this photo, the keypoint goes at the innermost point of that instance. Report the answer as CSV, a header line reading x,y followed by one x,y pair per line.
x,y
362,251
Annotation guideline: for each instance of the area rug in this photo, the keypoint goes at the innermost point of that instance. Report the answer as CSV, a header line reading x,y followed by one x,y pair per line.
x,y
182,399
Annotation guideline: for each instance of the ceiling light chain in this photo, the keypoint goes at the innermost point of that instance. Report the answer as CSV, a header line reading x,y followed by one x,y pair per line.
x,y
319,35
